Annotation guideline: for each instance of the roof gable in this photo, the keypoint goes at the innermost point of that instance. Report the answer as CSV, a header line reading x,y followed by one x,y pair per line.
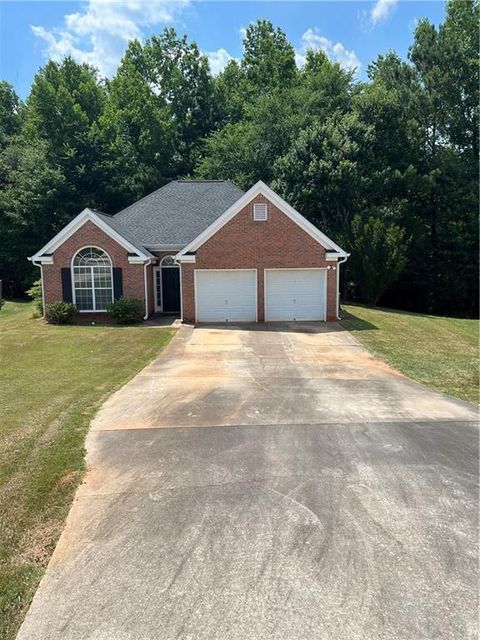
x,y
100,220
260,188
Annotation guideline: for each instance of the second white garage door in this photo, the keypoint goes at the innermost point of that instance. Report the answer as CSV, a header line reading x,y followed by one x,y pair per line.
x,y
295,294
226,296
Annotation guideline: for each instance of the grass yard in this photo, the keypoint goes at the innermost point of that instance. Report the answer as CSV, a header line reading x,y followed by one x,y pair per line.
x,y
440,352
52,380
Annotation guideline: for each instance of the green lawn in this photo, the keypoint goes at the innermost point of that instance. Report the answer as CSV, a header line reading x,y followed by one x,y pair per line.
x,y
52,379
440,352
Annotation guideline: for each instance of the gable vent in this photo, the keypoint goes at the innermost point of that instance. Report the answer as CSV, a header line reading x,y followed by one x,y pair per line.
x,y
260,212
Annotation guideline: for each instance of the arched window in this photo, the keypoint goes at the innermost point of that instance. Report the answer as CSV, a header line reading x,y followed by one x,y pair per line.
x,y
92,280
168,261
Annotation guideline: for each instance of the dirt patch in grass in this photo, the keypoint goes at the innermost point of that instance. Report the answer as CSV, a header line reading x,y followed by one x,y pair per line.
x,y
38,543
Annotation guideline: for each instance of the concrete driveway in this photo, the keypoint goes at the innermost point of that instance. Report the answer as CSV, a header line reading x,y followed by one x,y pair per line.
x,y
269,482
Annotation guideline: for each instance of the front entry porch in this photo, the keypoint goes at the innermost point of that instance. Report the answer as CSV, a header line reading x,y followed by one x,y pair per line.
x,y
166,286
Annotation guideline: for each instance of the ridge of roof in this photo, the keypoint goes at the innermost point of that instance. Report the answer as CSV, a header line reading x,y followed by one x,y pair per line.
x,y
167,184
177,212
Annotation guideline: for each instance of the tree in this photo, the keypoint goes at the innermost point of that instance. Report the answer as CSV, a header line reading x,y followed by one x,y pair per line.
x,y
232,89
391,158
10,113
245,151
325,87
446,61
326,172
65,102
180,74
31,209
136,134
378,253
268,59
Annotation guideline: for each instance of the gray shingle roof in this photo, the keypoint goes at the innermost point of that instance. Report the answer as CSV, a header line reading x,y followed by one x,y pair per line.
x,y
174,214
110,220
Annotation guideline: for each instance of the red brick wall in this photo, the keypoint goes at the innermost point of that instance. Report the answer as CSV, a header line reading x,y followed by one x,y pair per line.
x,y
243,243
90,235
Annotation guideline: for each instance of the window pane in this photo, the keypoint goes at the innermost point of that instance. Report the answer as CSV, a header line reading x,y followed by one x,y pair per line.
x,y
91,256
102,277
84,299
82,277
158,286
102,298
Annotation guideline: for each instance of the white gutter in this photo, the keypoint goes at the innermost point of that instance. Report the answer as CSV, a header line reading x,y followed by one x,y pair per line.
x,y
339,262
149,262
39,264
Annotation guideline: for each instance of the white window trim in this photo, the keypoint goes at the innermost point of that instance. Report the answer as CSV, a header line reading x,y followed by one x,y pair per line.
x,y
158,308
263,207
158,269
72,275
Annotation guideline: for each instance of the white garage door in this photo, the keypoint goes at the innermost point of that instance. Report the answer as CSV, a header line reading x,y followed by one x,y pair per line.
x,y
295,294
226,296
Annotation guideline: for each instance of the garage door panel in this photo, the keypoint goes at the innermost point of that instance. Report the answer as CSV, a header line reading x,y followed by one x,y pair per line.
x,y
292,294
226,296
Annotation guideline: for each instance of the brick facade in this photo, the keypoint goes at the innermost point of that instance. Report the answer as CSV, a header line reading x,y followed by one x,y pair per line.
x,y
243,243
91,235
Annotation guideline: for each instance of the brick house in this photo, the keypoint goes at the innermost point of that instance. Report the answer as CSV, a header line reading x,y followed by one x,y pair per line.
x,y
204,250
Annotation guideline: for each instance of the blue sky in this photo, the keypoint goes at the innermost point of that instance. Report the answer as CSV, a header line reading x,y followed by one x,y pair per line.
x,y
97,31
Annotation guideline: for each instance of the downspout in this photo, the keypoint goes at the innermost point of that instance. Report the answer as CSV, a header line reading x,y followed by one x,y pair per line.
x,y
339,262
39,264
181,288
146,264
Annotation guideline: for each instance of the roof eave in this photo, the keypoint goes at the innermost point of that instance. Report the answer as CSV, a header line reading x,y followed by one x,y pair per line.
x,y
257,189
77,223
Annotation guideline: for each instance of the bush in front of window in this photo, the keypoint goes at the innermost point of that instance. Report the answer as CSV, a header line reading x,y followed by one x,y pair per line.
x,y
126,310
60,312
35,293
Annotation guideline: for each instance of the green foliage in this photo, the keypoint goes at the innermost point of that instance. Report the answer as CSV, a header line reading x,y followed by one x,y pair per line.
x,y
378,254
65,102
60,312
404,141
126,310
2,302
327,170
35,293
268,58
31,209
10,113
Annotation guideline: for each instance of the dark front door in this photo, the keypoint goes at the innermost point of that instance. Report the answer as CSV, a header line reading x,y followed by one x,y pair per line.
x,y
171,289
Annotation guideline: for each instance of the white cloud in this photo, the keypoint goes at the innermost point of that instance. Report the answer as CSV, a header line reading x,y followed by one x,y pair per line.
x,y
337,52
218,60
381,11
100,32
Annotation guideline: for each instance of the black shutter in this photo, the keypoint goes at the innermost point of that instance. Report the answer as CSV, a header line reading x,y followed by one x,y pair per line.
x,y
117,283
66,285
